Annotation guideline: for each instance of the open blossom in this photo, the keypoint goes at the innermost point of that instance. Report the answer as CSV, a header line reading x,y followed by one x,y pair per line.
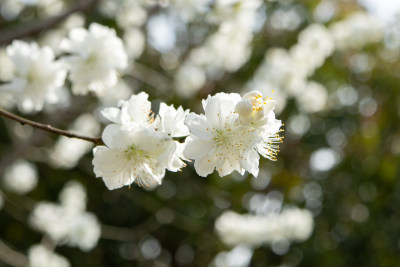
x,y
96,57
68,222
38,78
138,147
231,134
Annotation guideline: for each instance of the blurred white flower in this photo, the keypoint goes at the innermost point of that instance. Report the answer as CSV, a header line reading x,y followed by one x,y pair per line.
x,y
239,256
189,9
138,147
67,151
53,37
134,41
357,30
314,46
225,10
324,159
188,79
73,197
110,98
128,14
21,177
37,77
68,223
40,256
84,231
290,70
292,224
220,141
314,98
96,57
227,49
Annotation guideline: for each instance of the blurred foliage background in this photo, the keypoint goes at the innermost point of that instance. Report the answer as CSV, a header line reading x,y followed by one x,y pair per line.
x,y
339,158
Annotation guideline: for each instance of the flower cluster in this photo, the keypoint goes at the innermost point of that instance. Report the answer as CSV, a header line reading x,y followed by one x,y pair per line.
x,y
68,223
226,50
96,55
232,133
139,147
292,224
291,70
37,77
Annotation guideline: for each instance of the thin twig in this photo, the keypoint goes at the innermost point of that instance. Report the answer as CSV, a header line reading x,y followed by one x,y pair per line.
x,y
36,27
49,128
39,138
12,257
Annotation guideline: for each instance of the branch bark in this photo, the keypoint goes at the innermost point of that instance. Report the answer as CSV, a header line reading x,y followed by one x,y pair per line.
x,y
36,27
49,128
12,257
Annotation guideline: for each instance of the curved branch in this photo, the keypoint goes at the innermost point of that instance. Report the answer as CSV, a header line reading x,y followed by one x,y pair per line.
x,y
36,27
49,128
12,257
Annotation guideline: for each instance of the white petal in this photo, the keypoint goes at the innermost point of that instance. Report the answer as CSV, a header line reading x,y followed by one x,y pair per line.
x,y
139,107
197,148
224,168
250,161
199,126
109,135
204,166
112,114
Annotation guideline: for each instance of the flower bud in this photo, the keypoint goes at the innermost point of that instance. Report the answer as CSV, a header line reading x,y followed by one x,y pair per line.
x,y
244,108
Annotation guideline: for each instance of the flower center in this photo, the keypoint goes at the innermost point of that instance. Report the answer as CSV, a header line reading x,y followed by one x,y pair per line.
x,y
134,154
221,138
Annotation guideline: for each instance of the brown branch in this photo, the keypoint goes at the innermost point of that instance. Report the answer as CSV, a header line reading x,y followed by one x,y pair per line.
x,y
49,128
36,27
12,257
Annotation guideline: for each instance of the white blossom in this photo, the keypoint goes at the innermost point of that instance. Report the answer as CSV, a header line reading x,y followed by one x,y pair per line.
x,y
220,140
37,78
292,224
96,57
290,70
227,49
135,42
138,147
68,222
21,177
314,46
357,30
132,154
40,256
314,98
